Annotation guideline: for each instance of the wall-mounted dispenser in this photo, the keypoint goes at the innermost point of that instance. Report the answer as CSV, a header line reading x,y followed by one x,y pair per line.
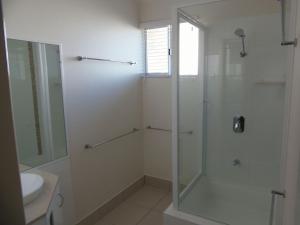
x,y
239,124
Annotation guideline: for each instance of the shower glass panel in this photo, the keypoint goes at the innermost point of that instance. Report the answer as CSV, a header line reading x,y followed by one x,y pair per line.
x,y
235,108
190,87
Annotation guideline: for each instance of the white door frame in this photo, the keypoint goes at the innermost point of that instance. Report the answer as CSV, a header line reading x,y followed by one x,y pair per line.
x,y
11,204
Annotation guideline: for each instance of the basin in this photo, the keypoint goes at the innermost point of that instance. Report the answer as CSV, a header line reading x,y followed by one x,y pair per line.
x,y
32,185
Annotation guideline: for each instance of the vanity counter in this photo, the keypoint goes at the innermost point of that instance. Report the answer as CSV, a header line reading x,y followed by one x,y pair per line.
x,y
38,208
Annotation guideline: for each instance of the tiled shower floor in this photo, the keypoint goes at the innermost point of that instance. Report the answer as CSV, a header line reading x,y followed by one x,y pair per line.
x,y
145,207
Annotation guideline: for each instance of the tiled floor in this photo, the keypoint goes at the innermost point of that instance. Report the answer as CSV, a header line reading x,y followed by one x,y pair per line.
x,y
144,207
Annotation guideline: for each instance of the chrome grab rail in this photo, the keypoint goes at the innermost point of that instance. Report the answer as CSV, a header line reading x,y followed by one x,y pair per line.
x,y
81,58
168,130
88,146
273,203
158,129
284,42
134,130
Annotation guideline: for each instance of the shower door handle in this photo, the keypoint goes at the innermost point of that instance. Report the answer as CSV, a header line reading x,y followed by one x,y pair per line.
x,y
275,194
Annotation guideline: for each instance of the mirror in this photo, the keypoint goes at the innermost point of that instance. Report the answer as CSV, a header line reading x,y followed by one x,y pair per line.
x,y
37,102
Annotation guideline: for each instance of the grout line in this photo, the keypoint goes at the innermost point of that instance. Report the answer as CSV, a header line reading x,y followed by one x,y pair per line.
x,y
151,209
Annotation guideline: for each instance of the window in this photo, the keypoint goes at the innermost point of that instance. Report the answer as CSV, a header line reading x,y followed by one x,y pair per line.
x,y
158,51
189,49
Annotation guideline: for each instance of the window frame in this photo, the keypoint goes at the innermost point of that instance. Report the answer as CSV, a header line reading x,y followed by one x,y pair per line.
x,y
157,25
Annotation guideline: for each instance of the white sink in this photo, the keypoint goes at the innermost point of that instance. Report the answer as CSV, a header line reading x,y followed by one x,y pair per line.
x,y
32,185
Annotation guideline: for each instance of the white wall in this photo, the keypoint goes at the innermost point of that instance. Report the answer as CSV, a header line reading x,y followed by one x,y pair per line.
x,y
157,109
153,10
102,99
157,104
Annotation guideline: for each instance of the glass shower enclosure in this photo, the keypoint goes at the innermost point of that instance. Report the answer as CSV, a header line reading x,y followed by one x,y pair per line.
x,y
231,89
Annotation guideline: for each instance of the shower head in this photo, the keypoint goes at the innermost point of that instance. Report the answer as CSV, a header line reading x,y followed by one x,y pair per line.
x,y
240,33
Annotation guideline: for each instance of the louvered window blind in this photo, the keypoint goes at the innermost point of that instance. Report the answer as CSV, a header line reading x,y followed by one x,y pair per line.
x,y
158,51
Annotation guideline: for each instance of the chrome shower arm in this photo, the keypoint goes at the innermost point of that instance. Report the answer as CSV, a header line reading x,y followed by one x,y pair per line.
x,y
243,53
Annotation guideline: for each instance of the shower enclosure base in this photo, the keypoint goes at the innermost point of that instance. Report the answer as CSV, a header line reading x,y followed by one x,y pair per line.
x,y
213,200
174,217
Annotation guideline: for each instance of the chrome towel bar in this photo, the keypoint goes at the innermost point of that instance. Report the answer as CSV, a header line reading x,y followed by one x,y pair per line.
x,y
82,58
88,146
134,130
167,130
159,129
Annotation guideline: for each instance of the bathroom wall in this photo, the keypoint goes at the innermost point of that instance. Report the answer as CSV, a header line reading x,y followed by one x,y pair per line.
x,y
101,99
157,107
157,112
157,103
154,10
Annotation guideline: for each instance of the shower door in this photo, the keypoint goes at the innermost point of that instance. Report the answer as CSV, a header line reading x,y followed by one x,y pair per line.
x,y
191,103
230,111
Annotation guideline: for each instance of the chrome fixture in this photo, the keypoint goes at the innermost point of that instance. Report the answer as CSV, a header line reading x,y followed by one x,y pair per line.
x,y
168,130
241,33
62,200
158,129
81,58
239,124
88,146
236,162
134,130
284,42
274,194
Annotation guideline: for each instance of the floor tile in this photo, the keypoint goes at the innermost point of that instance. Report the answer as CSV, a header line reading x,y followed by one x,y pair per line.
x,y
147,197
164,203
153,218
124,214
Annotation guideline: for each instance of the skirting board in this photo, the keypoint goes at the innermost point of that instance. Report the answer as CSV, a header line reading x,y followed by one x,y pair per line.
x,y
100,212
158,182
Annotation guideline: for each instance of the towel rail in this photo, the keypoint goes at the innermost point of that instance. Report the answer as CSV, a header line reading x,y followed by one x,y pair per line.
x,y
88,146
168,130
82,58
134,130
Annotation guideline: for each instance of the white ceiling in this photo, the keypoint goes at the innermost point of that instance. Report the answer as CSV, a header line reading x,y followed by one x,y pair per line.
x,y
212,12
